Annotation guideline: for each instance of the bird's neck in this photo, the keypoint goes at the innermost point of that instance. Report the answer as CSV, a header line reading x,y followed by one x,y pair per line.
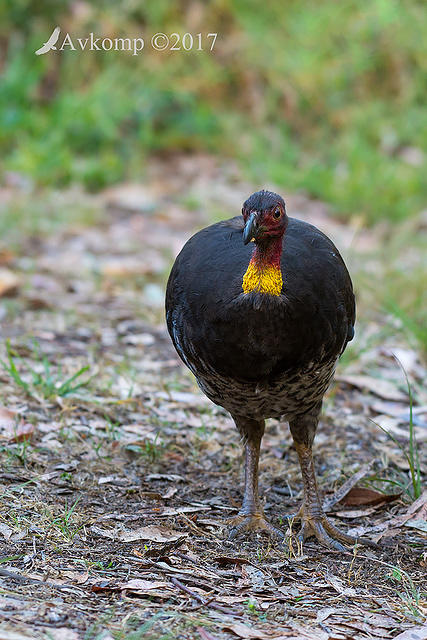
x,y
264,273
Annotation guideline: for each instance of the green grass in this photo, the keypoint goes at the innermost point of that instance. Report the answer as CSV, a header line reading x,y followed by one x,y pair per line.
x,y
64,522
44,381
150,450
130,629
18,451
411,453
324,98
412,596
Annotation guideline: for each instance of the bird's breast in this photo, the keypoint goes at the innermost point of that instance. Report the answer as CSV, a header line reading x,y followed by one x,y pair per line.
x,y
264,272
265,279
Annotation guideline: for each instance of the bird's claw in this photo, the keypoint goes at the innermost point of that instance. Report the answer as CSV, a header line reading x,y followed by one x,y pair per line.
x,y
325,532
253,522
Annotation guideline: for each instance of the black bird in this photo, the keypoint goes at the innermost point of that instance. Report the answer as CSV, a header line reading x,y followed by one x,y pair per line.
x,y
262,326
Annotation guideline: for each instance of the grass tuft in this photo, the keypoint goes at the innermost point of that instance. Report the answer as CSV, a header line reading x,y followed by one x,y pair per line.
x,y
45,383
411,454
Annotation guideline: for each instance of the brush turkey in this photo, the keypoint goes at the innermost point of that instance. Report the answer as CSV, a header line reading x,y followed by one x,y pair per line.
x,y
260,307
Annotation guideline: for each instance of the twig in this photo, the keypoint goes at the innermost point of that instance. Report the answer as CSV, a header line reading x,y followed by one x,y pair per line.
x,y
202,601
183,556
347,486
204,604
303,611
206,635
195,528
18,578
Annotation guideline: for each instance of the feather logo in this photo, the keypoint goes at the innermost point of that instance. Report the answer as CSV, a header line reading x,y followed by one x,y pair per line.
x,y
50,43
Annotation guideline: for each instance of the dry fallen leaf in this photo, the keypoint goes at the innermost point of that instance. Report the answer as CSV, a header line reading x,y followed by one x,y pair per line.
x,y
391,425
243,631
8,420
420,525
5,531
9,282
416,511
254,576
172,477
24,431
205,634
14,635
363,496
104,586
356,513
143,585
63,633
151,533
324,613
13,428
170,511
414,633
75,576
232,599
390,408
169,493
339,586
382,388
408,358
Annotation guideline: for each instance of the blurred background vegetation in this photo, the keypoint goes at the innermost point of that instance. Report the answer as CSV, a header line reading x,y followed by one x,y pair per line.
x,y
324,97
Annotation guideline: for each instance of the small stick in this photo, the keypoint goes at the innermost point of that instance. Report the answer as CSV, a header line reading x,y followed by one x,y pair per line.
x,y
206,635
195,528
345,488
204,602
18,578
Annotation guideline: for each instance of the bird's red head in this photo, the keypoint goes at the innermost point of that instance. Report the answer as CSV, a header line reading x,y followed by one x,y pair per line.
x,y
264,213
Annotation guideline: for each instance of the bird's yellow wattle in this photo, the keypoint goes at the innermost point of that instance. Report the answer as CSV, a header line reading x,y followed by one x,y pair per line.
x,y
263,279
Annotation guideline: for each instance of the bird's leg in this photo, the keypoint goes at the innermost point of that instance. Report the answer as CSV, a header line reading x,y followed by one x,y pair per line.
x,y
251,515
251,503
311,514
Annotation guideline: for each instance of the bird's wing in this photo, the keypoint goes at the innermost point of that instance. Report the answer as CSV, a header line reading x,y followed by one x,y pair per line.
x,y
47,46
55,35
44,49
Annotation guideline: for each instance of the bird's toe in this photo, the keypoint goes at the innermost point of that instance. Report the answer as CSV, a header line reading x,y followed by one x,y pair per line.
x,y
324,531
243,523
325,536
345,537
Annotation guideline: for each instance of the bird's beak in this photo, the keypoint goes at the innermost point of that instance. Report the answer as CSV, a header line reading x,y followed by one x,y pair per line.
x,y
251,228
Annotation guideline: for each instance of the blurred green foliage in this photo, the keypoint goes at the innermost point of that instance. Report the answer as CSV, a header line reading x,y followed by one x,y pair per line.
x,y
327,97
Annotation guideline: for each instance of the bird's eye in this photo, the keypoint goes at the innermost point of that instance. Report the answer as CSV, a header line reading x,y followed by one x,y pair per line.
x,y
277,213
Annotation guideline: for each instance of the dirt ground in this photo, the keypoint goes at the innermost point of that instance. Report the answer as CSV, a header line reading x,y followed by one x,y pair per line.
x,y
115,494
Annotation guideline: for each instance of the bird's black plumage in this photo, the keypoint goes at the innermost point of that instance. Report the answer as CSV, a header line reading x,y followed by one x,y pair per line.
x,y
219,331
261,355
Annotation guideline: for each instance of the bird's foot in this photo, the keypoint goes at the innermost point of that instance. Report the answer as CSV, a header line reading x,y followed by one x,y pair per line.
x,y
317,525
253,522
